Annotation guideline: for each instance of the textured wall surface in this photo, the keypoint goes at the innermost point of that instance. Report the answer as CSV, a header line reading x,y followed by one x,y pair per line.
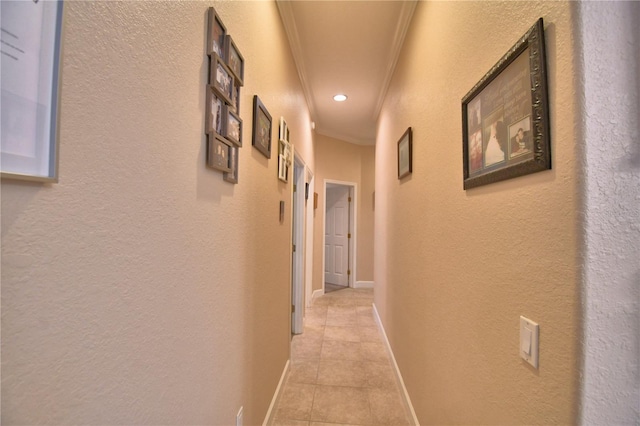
x,y
138,289
611,103
347,162
455,269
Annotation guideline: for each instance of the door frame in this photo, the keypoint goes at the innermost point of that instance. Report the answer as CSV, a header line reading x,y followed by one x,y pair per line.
x,y
297,237
353,226
308,251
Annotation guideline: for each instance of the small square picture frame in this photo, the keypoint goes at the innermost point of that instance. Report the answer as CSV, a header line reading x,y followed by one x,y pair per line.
x,y
232,175
232,129
234,60
222,79
216,36
214,111
262,124
218,153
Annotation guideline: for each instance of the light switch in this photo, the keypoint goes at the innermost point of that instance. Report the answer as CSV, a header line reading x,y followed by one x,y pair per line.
x,y
529,332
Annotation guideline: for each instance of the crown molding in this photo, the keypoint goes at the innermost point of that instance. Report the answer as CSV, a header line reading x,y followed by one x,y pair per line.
x,y
345,138
408,7
290,27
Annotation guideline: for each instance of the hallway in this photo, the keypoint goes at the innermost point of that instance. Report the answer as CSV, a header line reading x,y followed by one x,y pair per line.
x,y
340,370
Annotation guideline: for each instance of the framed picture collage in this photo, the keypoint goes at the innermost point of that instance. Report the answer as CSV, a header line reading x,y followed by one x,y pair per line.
x,y
223,124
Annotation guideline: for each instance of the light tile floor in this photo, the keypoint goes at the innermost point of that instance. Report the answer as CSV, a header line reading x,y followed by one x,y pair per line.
x,y
340,372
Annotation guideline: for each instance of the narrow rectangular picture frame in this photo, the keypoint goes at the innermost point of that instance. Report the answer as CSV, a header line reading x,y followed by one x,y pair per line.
x,y
405,154
213,120
234,60
216,35
474,121
283,133
222,79
283,169
262,125
232,175
228,133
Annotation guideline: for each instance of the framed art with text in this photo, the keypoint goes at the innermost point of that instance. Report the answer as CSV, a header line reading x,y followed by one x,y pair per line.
x,y
505,117
30,79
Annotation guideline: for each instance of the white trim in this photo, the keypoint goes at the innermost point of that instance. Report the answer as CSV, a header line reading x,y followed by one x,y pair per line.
x,y
363,284
297,233
276,395
405,393
406,13
317,293
353,219
291,29
308,270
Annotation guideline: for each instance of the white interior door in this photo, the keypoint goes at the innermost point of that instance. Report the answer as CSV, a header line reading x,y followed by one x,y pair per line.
x,y
336,248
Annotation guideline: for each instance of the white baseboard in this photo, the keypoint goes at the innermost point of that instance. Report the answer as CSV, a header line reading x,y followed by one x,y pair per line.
x,y
405,394
363,284
316,294
276,395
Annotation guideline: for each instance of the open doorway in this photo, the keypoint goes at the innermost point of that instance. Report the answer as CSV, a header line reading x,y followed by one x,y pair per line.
x,y
339,235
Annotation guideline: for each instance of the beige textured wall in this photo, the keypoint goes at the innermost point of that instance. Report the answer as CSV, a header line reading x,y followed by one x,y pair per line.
x,y
347,162
139,290
455,269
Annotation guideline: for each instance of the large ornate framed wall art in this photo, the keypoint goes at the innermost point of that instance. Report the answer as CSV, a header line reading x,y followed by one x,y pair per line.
x,y
505,117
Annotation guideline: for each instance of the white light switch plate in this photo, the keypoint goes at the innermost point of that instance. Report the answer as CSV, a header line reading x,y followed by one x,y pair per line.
x,y
529,334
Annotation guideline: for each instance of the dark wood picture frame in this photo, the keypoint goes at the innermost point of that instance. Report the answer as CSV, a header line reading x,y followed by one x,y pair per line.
x,y
234,60
218,153
405,154
262,125
505,117
216,35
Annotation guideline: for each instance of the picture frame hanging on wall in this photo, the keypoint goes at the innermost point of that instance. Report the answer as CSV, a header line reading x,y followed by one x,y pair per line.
x,y
232,175
214,111
505,116
233,127
216,35
222,79
261,136
234,59
405,154
218,153
30,81
284,151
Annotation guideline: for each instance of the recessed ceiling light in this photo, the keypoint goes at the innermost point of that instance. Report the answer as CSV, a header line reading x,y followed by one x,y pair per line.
x,y
340,98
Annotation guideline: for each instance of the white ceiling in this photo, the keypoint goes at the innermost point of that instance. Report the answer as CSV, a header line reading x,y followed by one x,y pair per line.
x,y
348,47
